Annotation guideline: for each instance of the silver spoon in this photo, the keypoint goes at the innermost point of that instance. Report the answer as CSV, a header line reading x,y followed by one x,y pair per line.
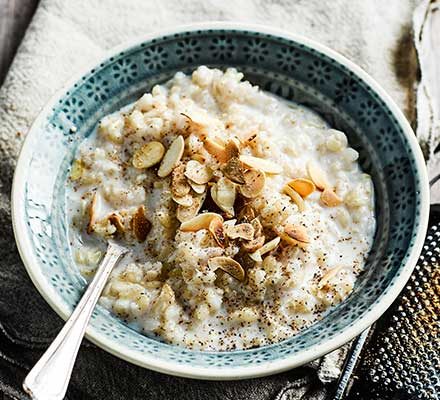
x,y
49,378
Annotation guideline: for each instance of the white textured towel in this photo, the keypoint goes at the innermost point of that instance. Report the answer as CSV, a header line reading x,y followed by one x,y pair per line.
x,y
66,35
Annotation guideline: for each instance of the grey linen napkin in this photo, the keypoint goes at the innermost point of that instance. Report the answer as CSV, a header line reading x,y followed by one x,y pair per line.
x,y
66,35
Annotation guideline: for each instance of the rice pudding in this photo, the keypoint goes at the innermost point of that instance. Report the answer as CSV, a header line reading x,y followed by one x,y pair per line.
x,y
247,216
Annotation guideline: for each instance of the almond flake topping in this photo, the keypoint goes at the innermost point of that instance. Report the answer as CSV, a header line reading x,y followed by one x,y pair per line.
x,y
241,231
298,200
194,127
216,228
216,150
329,275
179,185
262,164
302,186
223,193
269,246
254,244
258,228
297,232
186,200
197,172
198,157
234,171
228,265
329,198
266,248
148,155
254,181
200,221
172,157
317,175
232,148
185,213
199,189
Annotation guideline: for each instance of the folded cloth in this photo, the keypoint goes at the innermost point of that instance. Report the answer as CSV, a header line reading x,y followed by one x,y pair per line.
x,y
66,35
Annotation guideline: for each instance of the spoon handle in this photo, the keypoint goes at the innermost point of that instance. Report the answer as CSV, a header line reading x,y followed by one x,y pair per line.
x,y
49,378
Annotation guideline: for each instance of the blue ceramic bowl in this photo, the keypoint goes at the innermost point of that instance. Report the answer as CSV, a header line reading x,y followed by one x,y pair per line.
x,y
289,66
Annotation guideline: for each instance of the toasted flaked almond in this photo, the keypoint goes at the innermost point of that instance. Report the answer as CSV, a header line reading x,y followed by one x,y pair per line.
x,y
140,224
241,231
194,127
285,237
254,183
329,275
216,150
297,232
234,170
232,148
258,228
179,184
246,213
254,244
217,231
198,157
256,256
223,193
198,222
295,235
171,157
269,246
266,166
92,213
302,186
185,213
298,200
199,189
186,200
317,175
329,198
117,221
230,222
197,172
266,248
228,265
148,155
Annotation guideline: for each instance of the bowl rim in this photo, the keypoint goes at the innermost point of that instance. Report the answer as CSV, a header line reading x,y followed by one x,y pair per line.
x,y
218,373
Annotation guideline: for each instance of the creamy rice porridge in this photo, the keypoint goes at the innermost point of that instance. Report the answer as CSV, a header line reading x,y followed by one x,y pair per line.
x,y
247,216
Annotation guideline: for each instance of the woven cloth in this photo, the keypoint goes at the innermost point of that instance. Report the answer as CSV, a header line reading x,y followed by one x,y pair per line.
x,y
67,35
